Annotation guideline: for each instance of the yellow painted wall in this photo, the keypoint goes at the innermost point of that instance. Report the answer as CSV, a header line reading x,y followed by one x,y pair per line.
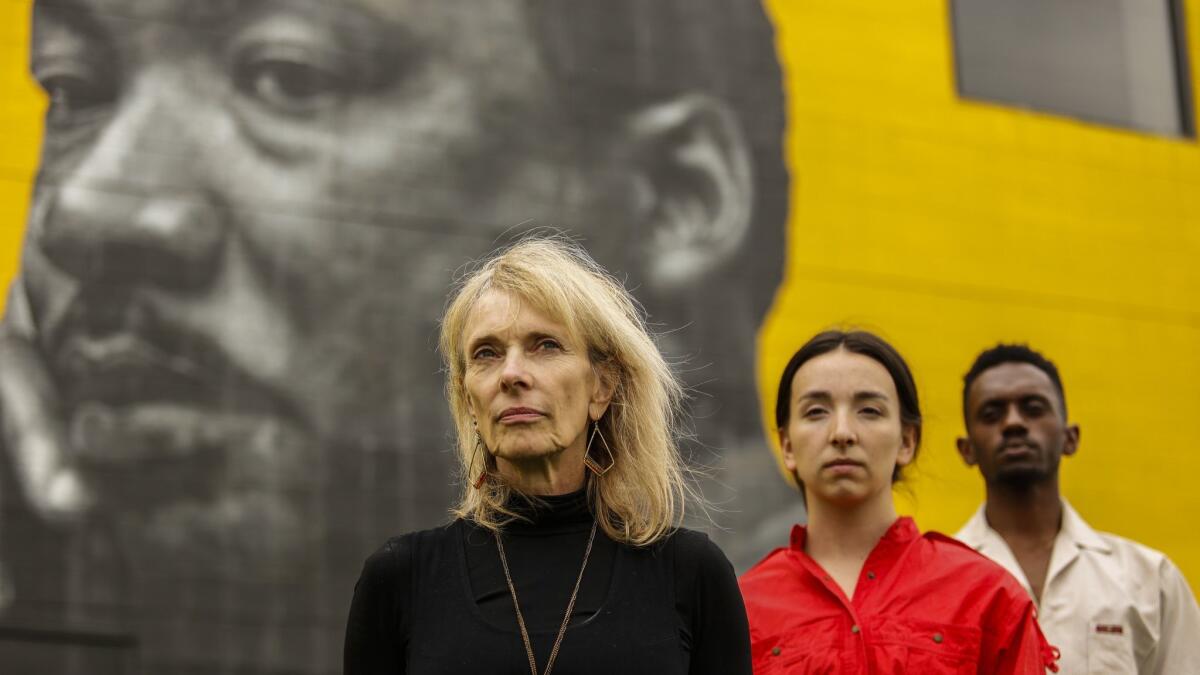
x,y
946,225
21,105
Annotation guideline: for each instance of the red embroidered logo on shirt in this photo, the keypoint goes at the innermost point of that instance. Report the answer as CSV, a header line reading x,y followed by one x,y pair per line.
x,y
1111,628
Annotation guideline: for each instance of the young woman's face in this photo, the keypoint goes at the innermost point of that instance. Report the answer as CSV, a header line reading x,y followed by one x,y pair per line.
x,y
844,437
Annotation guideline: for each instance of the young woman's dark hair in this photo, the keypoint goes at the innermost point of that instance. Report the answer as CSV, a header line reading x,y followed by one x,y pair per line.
x,y
857,342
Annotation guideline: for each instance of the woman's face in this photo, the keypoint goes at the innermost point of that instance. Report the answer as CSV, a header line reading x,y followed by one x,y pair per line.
x,y
844,437
531,386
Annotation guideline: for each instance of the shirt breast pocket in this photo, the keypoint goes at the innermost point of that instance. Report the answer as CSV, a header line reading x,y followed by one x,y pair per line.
x,y
935,648
810,650
1110,649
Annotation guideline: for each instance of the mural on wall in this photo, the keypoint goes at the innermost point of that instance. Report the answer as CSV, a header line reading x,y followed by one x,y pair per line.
x,y
218,380
218,383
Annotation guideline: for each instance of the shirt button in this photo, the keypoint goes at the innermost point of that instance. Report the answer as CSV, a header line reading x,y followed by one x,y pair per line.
x,y
937,637
854,629
870,575
776,651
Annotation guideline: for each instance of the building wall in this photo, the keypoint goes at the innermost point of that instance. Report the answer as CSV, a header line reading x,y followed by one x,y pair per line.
x,y
949,225
946,225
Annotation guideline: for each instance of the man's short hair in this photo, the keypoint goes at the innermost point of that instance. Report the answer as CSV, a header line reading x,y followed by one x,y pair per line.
x,y
1012,353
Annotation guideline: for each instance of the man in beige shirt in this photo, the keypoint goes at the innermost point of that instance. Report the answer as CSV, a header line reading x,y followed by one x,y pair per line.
x,y
1109,604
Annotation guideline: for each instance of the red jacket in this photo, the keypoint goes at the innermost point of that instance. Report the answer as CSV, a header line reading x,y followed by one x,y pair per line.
x,y
924,604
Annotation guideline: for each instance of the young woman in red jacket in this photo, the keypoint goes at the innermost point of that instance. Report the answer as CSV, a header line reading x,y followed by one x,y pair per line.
x,y
860,590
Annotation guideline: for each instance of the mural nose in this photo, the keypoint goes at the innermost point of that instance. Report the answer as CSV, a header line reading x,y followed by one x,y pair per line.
x,y
131,236
131,212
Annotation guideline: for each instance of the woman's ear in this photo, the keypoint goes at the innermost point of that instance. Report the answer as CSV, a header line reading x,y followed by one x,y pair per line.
x,y
908,445
693,174
785,448
602,392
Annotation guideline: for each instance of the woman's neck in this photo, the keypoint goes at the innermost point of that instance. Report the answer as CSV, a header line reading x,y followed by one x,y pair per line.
x,y
559,473
840,538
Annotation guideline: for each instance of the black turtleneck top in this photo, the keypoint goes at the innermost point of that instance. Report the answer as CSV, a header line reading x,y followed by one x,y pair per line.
x,y
437,602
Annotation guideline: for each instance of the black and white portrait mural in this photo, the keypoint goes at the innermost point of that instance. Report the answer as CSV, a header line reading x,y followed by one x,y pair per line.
x,y
218,383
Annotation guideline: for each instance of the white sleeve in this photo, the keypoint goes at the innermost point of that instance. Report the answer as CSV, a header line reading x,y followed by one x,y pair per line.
x,y
1178,648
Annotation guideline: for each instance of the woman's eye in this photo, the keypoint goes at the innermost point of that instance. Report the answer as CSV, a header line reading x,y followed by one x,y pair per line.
x,y
871,412
483,353
290,81
812,413
549,344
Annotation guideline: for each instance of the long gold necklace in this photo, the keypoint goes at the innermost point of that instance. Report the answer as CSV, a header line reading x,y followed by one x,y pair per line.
x,y
562,630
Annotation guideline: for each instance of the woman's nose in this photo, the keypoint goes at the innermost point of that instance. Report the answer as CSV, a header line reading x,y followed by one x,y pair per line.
x,y
843,435
516,371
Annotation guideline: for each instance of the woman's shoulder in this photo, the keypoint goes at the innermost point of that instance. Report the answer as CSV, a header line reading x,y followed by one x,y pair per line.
x,y
956,560
955,554
693,544
397,555
695,554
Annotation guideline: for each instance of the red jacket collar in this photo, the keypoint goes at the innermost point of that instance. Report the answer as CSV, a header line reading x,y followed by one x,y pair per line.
x,y
900,533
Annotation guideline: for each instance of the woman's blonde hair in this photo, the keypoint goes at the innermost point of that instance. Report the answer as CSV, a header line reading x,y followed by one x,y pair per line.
x,y
642,497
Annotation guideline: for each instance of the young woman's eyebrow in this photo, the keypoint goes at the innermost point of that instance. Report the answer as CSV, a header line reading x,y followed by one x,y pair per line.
x,y
822,395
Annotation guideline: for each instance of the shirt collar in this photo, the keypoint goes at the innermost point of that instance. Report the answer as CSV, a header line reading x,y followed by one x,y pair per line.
x,y
1078,531
901,532
977,533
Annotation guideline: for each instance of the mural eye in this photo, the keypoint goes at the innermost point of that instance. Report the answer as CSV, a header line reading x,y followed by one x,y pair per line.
x,y
289,84
73,94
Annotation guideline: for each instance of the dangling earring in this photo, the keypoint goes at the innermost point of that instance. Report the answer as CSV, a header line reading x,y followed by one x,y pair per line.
x,y
483,474
587,455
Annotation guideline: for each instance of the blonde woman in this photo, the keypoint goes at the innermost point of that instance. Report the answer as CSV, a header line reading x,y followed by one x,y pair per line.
x,y
565,552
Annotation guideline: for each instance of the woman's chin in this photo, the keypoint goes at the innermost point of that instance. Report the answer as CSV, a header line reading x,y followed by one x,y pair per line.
x,y
519,453
843,494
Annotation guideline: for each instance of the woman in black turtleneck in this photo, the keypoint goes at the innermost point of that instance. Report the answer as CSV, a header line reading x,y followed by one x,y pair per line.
x,y
566,554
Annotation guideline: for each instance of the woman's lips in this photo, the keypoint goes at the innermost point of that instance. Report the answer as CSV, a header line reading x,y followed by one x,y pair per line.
x,y
842,466
520,415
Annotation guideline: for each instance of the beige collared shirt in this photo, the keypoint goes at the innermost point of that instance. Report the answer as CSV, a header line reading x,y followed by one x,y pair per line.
x,y
1111,605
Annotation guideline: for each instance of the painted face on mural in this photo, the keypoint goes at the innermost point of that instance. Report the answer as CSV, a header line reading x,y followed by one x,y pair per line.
x,y
246,221
248,217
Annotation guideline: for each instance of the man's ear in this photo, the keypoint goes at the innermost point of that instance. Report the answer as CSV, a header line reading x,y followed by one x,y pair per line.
x,y
966,450
695,186
1071,446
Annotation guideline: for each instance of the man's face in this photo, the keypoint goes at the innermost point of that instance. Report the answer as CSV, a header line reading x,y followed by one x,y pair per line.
x,y
246,222
1016,431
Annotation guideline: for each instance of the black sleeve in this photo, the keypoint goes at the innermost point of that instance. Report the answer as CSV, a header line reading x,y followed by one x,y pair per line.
x,y
377,631
710,605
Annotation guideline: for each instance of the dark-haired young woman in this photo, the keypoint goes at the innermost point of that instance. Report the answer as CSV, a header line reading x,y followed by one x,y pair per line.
x,y
860,590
